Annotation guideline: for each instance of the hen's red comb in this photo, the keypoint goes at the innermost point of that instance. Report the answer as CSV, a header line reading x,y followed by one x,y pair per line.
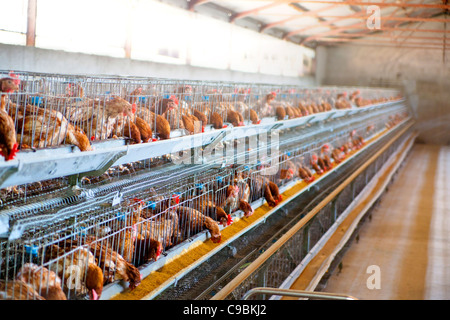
x,y
12,154
14,77
133,107
229,219
159,251
174,99
139,200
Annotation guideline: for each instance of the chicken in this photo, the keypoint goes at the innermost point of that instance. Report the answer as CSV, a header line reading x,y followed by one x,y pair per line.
x,y
127,128
337,155
254,117
303,109
77,267
305,174
206,206
8,142
265,108
216,120
45,282
158,222
356,140
169,109
325,156
194,221
17,290
118,106
290,112
8,85
134,95
202,118
315,163
74,90
235,118
191,124
147,249
158,124
39,128
280,113
114,265
162,127
144,129
100,119
263,187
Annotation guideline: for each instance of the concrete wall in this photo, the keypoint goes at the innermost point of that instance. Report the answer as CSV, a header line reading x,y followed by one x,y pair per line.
x,y
42,60
424,75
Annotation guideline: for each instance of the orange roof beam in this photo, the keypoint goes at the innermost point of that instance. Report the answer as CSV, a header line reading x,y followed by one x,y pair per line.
x,y
380,4
311,13
350,36
193,3
383,42
353,26
404,19
402,46
240,15
329,22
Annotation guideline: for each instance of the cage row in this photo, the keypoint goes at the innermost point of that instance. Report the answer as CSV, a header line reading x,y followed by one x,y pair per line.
x,y
75,257
43,110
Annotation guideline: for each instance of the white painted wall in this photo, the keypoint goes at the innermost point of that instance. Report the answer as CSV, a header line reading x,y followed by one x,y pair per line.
x,y
424,75
21,58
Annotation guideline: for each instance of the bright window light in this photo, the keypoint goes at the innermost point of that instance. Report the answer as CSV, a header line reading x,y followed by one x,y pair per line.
x,y
13,21
156,32
94,27
159,33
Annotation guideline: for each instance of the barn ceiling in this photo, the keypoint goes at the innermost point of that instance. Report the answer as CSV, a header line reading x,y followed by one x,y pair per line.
x,y
414,23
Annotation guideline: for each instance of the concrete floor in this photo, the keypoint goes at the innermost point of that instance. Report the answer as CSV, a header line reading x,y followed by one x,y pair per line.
x,y
407,238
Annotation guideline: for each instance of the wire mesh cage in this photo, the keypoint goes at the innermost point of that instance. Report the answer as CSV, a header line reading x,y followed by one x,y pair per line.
x,y
72,239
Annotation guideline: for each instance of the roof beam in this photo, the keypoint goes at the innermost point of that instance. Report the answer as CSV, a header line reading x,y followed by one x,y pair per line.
x,y
329,22
352,26
313,13
379,4
402,46
376,42
356,36
240,15
193,3
404,19
418,30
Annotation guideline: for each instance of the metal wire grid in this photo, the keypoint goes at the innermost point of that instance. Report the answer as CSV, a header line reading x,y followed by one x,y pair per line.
x,y
82,101
187,193
275,270
59,95
298,153
91,222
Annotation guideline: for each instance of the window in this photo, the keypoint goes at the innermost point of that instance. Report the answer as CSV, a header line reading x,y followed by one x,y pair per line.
x,y
13,21
94,27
